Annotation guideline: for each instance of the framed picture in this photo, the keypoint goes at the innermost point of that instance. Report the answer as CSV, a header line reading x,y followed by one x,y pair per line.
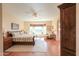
x,y
14,26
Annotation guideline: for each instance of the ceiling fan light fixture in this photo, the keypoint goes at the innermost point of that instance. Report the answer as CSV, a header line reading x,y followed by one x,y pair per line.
x,y
35,14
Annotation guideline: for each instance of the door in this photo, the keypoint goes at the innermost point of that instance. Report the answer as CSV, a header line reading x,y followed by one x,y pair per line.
x,y
68,29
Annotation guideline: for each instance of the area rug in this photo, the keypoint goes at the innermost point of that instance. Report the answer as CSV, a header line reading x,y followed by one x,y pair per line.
x,y
40,46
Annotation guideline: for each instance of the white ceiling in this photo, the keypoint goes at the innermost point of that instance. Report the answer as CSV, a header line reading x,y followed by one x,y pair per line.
x,y
24,11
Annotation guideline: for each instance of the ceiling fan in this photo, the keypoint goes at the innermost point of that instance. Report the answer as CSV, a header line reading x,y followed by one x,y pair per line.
x,y
35,14
32,12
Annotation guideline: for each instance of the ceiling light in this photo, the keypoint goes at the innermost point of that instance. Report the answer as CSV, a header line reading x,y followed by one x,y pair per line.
x,y
35,14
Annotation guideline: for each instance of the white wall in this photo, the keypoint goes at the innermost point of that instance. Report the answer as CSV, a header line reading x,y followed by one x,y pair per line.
x,y
77,29
1,40
10,18
58,31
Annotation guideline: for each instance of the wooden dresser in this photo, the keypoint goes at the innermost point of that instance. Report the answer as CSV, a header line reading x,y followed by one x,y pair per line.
x,y
7,42
68,29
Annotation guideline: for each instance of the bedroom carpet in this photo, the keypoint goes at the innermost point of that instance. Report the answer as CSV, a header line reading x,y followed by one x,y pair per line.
x,y
40,46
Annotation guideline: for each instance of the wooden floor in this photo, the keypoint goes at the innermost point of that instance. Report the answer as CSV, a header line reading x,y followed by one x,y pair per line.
x,y
53,50
1,54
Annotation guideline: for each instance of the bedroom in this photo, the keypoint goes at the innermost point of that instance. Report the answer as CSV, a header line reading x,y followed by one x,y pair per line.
x,y
34,29
31,21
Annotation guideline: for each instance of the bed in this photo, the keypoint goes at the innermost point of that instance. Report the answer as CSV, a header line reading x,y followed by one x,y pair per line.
x,y
22,38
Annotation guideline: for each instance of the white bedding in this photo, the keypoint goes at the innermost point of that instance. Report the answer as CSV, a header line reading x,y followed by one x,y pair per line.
x,y
23,38
19,36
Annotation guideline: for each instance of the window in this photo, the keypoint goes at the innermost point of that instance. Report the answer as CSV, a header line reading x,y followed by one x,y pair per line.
x,y
38,30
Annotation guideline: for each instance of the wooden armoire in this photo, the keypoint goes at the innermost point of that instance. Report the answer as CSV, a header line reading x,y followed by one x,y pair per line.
x,y
68,29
